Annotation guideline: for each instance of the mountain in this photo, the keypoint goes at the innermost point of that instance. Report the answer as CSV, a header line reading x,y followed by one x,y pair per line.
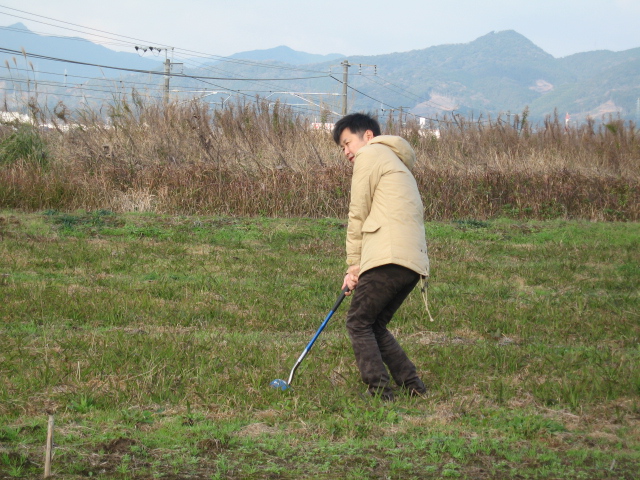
x,y
600,82
18,37
505,72
285,54
494,72
499,73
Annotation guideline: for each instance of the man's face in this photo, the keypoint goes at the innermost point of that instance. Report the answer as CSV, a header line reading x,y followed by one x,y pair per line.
x,y
352,142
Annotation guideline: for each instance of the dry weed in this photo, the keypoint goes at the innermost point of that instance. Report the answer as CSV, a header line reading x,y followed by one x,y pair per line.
x,y
261,159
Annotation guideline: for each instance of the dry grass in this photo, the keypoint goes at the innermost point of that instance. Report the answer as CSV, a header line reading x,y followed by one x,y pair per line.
x,y
261,159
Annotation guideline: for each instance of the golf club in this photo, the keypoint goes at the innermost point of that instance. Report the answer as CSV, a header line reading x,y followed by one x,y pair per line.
x,y
281,384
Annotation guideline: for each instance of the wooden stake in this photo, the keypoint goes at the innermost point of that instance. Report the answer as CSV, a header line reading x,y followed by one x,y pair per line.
x,y
49,451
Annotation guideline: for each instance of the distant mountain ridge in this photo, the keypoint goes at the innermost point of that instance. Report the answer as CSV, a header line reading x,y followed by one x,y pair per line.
x,y
500,73
504,72
18,37
285,54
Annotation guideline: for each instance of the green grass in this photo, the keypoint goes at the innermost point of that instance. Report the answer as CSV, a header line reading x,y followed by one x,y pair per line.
x,y
153,339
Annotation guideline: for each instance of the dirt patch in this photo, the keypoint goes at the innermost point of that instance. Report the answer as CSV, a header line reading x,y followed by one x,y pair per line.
x,y
542,86
267,414
257,429
201,249
459,337
117,446
212,445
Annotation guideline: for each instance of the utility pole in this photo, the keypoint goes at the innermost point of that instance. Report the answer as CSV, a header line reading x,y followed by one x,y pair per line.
x,y
345,79
167,72
167,67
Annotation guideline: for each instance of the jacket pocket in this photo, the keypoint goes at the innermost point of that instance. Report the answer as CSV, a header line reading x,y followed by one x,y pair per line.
x,y
370,226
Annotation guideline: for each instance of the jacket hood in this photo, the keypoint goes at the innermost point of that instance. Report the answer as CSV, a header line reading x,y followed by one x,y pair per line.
x,y
400,147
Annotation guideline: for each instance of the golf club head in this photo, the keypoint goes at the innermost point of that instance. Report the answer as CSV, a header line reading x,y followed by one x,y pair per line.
x,y
281,384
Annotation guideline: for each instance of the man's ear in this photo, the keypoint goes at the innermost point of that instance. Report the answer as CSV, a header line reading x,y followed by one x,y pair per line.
x,y
368,135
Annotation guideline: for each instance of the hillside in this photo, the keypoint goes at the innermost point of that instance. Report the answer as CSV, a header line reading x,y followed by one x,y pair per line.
x,y
283,54
503,72
498,73
18,37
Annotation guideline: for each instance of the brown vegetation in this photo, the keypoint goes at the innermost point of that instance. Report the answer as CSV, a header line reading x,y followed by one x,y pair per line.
x,y
261,159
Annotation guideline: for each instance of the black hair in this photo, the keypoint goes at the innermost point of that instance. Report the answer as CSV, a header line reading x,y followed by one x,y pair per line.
x,y
356,122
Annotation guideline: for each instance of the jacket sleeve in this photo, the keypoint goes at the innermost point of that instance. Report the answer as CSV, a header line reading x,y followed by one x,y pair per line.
x,y
363,184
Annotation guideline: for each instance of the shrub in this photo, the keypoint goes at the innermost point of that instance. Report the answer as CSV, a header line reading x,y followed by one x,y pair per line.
x,y
24,143
258,158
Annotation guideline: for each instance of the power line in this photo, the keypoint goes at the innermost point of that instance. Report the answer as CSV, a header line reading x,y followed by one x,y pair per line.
x,y
193,77
62,21
135,70
111,81
410,95
215,69
62,37
198,54
54,84
116,84
79,93
399,90
96,79
391,107
72,95
137,41
200,78
362,93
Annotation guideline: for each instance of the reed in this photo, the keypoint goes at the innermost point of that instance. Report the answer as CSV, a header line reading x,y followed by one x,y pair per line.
x,y
261,159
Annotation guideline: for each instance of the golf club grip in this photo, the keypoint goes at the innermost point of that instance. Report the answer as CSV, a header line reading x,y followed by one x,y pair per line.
x,y
327,318
345,290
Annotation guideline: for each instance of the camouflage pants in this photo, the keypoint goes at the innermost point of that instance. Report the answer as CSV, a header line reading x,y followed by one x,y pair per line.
x,y
379,294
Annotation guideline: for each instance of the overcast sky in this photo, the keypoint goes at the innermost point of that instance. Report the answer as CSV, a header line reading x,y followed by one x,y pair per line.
x,y
370,27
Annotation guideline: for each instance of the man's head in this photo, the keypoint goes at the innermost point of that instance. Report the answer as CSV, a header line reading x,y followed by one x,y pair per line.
x,y
353,132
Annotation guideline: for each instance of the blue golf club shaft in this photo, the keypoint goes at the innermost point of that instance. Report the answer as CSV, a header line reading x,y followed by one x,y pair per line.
x,y
317,334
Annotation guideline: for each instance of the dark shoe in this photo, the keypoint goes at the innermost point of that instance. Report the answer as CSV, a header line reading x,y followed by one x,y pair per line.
x,y
384,396
415,388
414,392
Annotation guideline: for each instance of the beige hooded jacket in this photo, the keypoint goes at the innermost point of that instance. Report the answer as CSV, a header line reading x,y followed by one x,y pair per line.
x,y
386,215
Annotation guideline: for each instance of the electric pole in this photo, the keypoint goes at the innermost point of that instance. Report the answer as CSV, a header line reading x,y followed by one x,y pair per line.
x,y
345,79
167,72
167,67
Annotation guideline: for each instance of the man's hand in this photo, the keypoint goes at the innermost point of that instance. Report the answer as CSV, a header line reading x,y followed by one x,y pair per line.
x,y
351,278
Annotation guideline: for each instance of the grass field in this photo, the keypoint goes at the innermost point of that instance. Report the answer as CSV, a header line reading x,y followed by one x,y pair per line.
x,y
152,340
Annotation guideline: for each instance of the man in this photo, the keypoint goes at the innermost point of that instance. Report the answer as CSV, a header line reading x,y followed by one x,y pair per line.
x,y
386,249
